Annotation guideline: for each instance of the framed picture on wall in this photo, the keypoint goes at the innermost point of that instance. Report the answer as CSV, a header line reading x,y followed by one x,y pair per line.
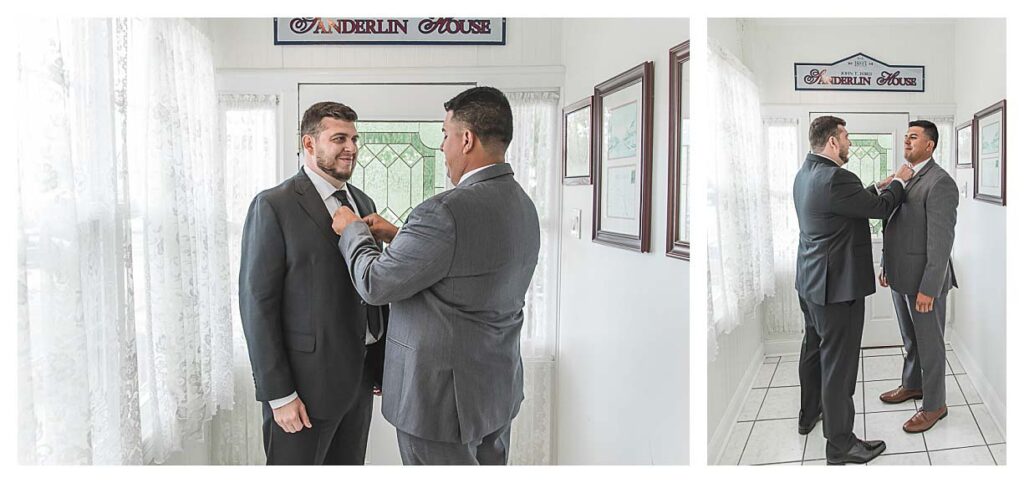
x,y
989,154
623,121
964,144
678,245
577,148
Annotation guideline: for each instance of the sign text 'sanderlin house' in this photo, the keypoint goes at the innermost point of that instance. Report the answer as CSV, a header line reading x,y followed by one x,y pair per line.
x,y
434,30
858,73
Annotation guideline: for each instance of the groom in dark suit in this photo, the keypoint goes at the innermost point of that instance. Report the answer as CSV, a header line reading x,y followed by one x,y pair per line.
x,y
833,275
316,347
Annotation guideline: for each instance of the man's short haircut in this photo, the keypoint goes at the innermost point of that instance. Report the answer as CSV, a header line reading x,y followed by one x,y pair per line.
x,y
929,130
486,112
821,129
317,112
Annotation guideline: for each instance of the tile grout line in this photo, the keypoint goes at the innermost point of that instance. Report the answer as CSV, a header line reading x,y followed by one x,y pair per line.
x,y
753,424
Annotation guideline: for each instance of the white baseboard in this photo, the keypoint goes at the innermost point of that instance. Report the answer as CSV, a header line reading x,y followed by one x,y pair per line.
x,y
720,437
986,391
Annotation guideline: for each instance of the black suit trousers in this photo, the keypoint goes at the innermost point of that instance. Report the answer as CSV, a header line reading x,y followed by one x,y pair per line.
x,y
829,360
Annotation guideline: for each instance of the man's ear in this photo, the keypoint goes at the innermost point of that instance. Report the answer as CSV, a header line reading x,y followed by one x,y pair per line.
x,y
307,144
469,141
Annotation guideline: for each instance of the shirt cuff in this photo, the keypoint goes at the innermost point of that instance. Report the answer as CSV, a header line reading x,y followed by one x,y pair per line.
x,y
277,403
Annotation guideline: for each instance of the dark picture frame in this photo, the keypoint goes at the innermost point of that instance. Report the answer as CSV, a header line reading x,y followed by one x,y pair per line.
x,y
678,245
982,148
619,129
967,129
569,139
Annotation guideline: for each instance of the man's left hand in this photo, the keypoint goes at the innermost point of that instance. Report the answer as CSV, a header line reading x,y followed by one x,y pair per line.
x,y
924,303
342,218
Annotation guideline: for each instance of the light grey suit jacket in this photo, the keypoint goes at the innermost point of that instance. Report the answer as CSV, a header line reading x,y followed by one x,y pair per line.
x,y
456,277
918,237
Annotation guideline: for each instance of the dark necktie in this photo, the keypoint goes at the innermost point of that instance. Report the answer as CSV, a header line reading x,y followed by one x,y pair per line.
x,y
342,197
372,313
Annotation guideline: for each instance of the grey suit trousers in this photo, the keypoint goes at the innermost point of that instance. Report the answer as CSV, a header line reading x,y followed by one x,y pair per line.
x,y
489,450
924,366
829,360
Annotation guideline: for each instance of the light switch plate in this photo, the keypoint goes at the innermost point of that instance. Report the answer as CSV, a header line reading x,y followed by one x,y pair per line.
x,y
574,223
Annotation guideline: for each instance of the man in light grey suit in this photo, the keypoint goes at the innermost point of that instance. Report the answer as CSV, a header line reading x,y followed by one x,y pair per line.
x,y
917,241
456,277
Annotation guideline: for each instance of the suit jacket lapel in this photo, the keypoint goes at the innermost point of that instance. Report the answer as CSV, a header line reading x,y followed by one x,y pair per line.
x,y
918,176
309,200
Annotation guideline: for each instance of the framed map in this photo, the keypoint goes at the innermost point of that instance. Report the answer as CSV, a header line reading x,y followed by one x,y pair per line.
x,y
622,144
577,148
965,144
678,243
989,154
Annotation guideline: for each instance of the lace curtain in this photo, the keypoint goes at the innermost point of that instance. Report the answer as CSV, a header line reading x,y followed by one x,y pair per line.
x,y
124,321
740,268
78,390
781,138
248,148
533,156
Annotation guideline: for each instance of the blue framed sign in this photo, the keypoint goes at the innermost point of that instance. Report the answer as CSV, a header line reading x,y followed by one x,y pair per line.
x,y
390,31
858,72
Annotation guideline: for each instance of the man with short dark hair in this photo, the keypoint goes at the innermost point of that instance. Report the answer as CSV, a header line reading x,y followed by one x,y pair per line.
x,y
833,275
916,266
456,277
313,342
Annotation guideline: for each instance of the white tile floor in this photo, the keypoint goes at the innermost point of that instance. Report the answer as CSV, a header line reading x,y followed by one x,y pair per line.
x,y
765,431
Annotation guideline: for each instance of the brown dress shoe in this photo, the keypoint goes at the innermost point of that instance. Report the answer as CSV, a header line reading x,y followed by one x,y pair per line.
x,y
923,420
900,394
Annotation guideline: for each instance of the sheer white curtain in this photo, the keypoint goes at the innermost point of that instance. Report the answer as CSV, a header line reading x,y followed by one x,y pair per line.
x,y
78,389
944,151
740,269
782,138
124,321
248,149
533,156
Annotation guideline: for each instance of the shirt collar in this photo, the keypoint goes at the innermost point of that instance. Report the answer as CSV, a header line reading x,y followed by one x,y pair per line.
x,y
921,165
471,173
323,187
826,158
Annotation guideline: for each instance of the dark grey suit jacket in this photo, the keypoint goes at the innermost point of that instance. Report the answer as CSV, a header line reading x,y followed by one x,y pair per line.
x,y
918,238
833,262
456,277
304,323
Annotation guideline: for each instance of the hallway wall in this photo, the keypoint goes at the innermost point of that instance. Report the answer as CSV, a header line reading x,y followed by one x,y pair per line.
x,y
623,358
979,252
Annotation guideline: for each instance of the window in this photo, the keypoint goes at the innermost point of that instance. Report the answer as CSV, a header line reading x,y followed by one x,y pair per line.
x,y
871,160
400,164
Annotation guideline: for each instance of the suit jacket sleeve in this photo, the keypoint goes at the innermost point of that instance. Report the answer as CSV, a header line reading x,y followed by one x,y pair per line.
x,y
260,290
851,199
940,208
419,256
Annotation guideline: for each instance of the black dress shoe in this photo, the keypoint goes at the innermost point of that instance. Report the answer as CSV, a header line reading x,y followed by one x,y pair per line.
x,y
807,428
861,452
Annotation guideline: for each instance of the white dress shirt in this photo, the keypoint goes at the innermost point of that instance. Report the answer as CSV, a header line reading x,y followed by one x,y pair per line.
x,y
326,191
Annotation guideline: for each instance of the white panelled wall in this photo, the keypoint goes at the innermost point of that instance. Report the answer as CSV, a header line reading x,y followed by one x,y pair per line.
x,y
622,359
965,72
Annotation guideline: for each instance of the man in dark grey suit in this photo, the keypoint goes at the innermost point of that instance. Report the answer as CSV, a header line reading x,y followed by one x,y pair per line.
x,y
833,275
456,277
313,342
917,242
